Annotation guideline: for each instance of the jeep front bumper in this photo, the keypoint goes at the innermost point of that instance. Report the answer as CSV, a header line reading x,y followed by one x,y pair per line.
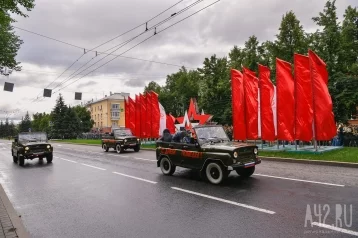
x,y
244,166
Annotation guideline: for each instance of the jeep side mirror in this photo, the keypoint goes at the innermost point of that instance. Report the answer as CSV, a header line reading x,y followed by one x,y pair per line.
x,y
112,134
196,144
15,140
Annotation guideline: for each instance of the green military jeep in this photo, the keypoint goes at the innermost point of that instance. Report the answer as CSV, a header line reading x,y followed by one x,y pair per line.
x,y
120,140
211,152
30,145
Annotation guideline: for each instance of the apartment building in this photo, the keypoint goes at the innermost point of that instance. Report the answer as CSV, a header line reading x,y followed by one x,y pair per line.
x,y
108,112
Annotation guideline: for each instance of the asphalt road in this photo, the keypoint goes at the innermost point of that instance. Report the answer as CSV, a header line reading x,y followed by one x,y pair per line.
x,y
89,193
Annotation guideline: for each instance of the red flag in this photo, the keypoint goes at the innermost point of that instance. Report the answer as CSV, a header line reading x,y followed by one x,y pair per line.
x,y
267,93
285,101
324,123
148,118
155,115
303,95
171,123
251,104
132,115
143,114
126,115
137,116
238,105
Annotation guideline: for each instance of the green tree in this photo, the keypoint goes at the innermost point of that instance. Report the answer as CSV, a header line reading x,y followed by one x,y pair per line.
x,y
25,123
9,42
57,117
86,122
2,130
251,51
153,86
236,58
41,122
73,124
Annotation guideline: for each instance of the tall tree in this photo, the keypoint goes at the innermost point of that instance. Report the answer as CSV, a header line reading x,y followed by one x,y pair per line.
x,y
73,124
251,50
2,130
86,122
153,86
236,58
57,117
25,124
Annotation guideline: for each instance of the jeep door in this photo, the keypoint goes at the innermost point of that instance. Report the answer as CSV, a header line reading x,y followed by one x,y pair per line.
x,y
191,156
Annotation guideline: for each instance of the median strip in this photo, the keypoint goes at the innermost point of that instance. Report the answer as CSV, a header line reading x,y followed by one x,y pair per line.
x,y
129,176
92,166
353,233
299,180
226,201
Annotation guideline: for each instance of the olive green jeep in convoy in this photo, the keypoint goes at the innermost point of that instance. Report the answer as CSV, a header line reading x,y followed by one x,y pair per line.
x,y
211,152
31,145
120,140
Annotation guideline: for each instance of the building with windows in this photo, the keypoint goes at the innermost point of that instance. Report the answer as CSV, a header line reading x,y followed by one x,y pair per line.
x,y
108,112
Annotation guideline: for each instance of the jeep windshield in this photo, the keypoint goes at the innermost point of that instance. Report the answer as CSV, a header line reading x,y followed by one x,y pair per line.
x,y
33,137
123,132
211,134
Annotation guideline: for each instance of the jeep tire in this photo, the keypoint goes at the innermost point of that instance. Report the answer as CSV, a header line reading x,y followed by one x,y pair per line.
x,y
167,166
215,173
119,149
246,172
14,158
137,148
21,160
105,148
49,158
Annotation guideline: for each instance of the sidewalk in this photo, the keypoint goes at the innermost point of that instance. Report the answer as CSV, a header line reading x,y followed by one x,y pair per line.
x,y
10,223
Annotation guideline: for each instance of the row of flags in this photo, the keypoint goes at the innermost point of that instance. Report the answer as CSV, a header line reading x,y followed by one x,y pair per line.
x,y
146,117
299,107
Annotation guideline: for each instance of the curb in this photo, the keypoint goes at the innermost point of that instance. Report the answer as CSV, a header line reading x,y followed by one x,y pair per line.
x,y
316,162
14,217
277,159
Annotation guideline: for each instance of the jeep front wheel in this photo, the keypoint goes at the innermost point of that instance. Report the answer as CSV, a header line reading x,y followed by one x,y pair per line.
x,y
14,158
119,149
166,166
246,172
21,160
214,173
105,148
49,158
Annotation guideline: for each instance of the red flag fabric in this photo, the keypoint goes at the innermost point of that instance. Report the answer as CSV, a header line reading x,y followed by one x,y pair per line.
x,y
137,116
155,115
285,101
143,114
267,93
251,104
132,115
148,118
126,113
238,105
171,123
303,96
324,123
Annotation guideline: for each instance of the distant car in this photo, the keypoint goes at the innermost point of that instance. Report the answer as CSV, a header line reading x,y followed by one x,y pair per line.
x,y
120,140
211,152
31,145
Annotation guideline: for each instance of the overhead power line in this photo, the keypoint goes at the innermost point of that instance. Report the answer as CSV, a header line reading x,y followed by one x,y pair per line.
x,y
141,43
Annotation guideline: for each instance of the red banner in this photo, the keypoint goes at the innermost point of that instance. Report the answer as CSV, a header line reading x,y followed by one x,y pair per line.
x,y
137,116
267,93
132,115
324,123
251,104
303,95
238,105
285,101
155,115
143,115
171,123
126,113
148,118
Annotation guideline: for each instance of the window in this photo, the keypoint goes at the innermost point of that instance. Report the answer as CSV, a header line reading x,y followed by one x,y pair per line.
x,y
115,114
115,106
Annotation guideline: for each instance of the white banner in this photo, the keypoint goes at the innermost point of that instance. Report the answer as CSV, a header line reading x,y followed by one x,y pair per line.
x,y
163,119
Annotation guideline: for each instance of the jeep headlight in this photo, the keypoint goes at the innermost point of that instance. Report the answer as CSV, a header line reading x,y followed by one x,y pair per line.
x,y
255,151
137,139
125,140
27,148
48,146
235,154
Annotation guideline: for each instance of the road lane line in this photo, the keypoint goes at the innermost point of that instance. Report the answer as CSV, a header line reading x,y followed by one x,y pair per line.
x,y
300,180
129,176
225,201
92,166
67,160
353,233
144,159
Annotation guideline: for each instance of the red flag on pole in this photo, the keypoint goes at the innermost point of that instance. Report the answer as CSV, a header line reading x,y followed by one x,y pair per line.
x,y
324,123
303,95
132,115
126,113
171,123
267,93
143,114
148,118
251,104
155,115
285,101
238,105
137,116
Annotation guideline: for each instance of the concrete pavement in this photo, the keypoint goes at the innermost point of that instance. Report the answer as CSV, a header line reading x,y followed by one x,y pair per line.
x,y
89,193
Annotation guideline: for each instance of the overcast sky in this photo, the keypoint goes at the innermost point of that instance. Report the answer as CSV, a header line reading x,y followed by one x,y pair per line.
x,y
89,23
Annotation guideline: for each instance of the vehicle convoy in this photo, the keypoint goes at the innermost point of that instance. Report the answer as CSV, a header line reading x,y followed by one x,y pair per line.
x,y
120,140
211,152
31,145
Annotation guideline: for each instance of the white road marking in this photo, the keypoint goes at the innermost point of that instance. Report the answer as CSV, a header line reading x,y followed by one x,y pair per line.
x,y
144,159
67,160
226,201
92,166
129,176
300,180
59,145
353,233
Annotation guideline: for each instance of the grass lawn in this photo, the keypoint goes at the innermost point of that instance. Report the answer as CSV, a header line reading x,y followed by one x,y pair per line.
x,y
342,155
